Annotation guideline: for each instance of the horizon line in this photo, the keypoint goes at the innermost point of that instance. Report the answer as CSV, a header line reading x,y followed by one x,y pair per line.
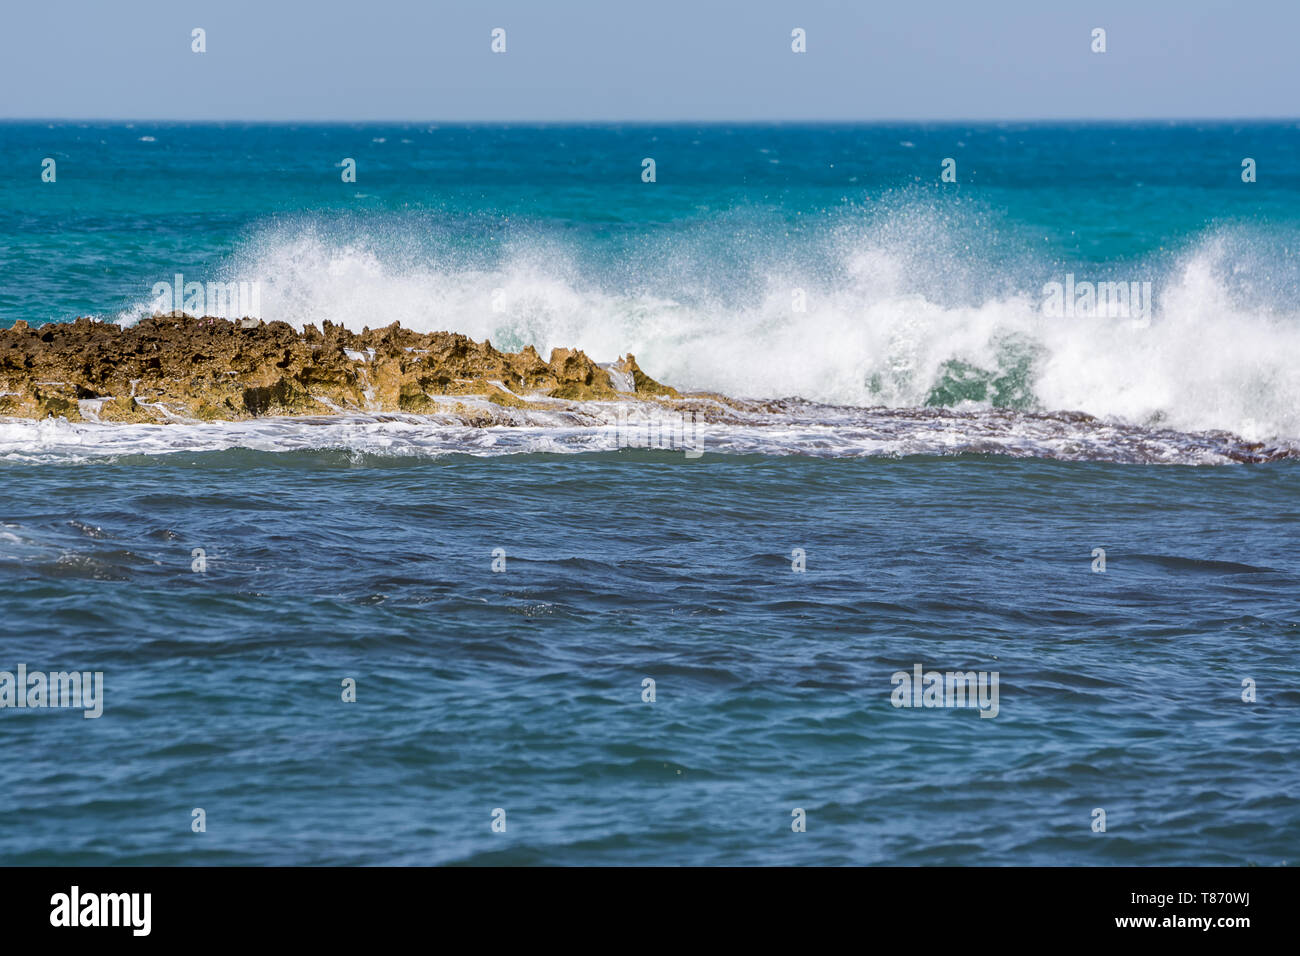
x,y
653,122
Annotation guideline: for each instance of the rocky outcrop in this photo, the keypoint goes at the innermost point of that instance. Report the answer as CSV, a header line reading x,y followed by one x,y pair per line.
x,y
169,368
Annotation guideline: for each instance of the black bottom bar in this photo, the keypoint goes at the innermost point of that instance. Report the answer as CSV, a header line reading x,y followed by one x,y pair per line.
x,y
336,905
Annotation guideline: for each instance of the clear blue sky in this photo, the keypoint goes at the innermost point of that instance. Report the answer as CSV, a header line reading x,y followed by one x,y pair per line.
x,y
593,60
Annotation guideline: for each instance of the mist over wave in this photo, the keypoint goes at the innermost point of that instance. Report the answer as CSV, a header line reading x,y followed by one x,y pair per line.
x,y
903,306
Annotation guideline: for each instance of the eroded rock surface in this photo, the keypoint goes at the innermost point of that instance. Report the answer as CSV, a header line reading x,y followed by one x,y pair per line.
x,y
169,368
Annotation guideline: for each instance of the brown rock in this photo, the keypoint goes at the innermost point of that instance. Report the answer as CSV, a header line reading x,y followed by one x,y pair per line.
x,y
177,366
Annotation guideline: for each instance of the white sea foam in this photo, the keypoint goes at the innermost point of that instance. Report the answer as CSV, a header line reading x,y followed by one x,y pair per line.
x,y
788,428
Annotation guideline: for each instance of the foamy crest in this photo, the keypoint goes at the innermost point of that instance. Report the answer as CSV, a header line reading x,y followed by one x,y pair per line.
x,y
900,311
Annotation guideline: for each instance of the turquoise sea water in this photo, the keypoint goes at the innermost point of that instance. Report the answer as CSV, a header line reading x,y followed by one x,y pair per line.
x,y
958,538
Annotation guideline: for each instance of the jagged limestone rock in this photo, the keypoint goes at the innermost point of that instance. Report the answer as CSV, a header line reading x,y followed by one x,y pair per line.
x,y
169,368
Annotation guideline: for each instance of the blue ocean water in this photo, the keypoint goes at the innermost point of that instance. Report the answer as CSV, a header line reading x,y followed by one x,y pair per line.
x,y
364,548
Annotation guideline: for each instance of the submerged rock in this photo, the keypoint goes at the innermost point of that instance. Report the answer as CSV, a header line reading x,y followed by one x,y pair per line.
x,y
170,368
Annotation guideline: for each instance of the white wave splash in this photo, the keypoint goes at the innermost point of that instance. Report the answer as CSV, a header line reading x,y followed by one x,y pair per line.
x,y
882,325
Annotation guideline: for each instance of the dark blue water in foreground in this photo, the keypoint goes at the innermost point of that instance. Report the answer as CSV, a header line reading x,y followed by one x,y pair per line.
x,y
522,690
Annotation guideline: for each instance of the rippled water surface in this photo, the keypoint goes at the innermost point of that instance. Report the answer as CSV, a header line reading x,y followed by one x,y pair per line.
x,y
522,689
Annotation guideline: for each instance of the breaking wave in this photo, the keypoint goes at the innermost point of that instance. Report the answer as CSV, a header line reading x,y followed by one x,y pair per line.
x,y
905,308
